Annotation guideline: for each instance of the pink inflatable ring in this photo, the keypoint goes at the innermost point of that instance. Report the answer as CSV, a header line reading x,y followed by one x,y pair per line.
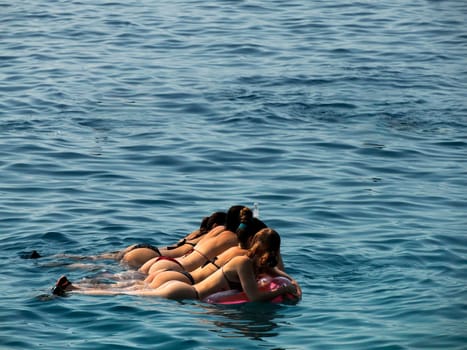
x,y
232,297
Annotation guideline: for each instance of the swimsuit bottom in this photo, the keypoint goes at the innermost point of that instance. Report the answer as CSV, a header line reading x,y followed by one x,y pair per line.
x,y
170,259
147,246
189,276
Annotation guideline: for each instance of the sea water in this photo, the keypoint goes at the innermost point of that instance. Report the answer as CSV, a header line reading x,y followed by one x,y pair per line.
x,y
126,122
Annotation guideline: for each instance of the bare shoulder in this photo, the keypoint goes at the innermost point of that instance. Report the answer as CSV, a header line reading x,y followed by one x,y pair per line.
x,y
227,237
234,251
225,233
216,231
241,260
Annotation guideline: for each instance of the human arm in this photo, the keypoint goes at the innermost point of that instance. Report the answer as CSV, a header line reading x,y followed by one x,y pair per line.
x,y
280,262
249,282
278,272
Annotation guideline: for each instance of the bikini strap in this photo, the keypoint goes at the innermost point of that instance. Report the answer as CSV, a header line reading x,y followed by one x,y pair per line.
x,y
202,254
232,284
189,276
168,258
179,244
211,262
147,246
175,246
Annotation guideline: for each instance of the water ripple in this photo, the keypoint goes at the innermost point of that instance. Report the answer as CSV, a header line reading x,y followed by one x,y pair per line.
x,y
124,122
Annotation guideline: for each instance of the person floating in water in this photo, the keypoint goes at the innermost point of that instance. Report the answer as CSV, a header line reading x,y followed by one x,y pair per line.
x,y
214,244
134,256
242,272
246,230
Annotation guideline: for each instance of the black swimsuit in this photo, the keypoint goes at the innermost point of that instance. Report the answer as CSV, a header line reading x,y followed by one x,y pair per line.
x,y
148,246
189,276
213,261
179,244
202,254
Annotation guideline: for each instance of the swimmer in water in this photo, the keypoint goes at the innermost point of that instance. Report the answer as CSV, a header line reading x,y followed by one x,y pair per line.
x,y
241,272
205,250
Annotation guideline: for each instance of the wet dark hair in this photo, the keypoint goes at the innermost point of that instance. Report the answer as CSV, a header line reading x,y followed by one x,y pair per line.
x,y
264,249
233,217
209,222
203,227
248,227
217,218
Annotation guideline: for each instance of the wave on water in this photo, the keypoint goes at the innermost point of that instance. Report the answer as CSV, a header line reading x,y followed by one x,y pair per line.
x,y
127,122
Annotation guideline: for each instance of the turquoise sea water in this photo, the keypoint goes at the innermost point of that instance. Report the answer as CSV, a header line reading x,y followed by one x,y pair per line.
x,y
127,122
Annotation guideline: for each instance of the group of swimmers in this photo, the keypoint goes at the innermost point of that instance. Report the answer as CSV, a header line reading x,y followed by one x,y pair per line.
x,y
230,250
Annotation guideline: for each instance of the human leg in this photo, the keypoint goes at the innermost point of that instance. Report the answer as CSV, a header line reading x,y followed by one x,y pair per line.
x,y
139,256
158,279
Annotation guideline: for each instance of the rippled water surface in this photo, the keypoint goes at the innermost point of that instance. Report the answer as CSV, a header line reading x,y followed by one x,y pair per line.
x,y
124,122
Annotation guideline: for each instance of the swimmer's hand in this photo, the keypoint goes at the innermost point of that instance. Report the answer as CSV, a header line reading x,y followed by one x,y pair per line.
x,y
289,289
298,290
293,289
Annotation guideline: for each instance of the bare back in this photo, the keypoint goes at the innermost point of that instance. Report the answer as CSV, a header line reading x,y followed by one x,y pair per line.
x,y
203,272
209,249
204,251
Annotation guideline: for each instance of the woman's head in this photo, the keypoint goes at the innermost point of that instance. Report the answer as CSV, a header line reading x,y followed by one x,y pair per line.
x,y
209,222
233,217
264,248
248,227
216,219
